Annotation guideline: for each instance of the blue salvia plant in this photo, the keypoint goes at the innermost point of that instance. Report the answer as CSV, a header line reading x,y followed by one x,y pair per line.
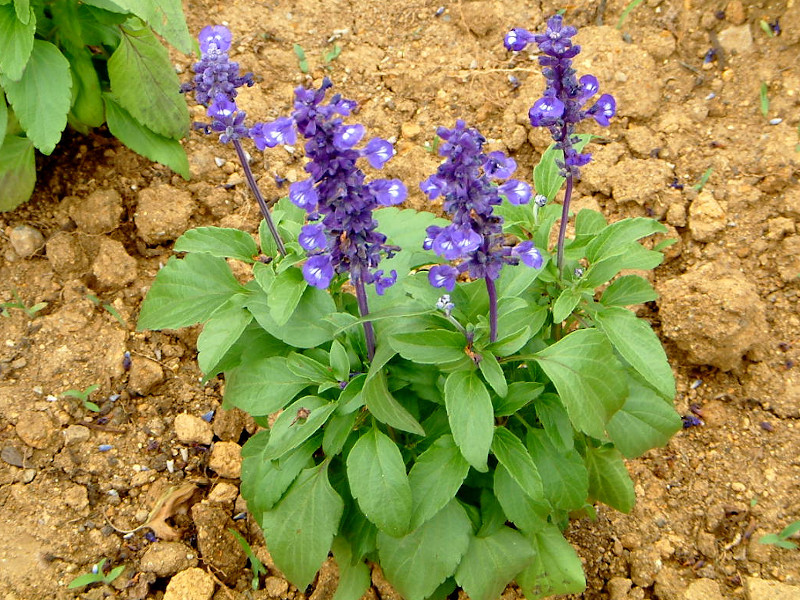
x,y
445,393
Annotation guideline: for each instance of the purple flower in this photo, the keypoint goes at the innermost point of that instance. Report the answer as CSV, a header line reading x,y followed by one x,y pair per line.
x,y
227,120
381,282
312,237
348,136
499,166
432,187
318,270
546,111
377,152
443,276
269,135
453,243
516,192
217,37
215,73
304,195
517,39
556,40
388,192
603,109
528,254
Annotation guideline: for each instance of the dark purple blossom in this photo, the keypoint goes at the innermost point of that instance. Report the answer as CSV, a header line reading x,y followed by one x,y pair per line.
x,y
215,73
443,276
312,237
279,132
227,120
318,270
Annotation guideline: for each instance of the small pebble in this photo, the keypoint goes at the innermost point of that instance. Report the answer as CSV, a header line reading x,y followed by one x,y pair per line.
x,y
775,121
104,447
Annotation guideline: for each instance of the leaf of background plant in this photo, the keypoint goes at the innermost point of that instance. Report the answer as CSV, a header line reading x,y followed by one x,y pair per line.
x,y
565,304
385,408
290,429
285,293
17,171
645,421
493,373
3,117
378,481
219,333
546,179
41,97
142,140
354,577
491,562
638,344
187,291
513,455
337,431
16,42
262,386
300,528
556,568
590,381
305,367
522,510
165,17
471,416
554,418
628,290
435,479
144,80
359,531
218,241
564,477
339,361
431,347
419,562
609,481
23,9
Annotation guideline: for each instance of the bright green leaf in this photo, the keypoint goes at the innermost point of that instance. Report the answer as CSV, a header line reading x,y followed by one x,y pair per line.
x,y
555,420
491,562
218,241
520,394
564,477
614,238
337,430
435,479
219,333
546,177
3,117
299,530
16,42
385,408
262,387
565,304
431,347
609,481
514,456
298,422
471,416
17,171
556,568
522,510
627,290
307,326
493,373
354,576
285,293
87,103
305,367
339,361
166,17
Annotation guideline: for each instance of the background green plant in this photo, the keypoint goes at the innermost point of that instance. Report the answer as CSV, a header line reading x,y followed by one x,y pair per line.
x,y
86,63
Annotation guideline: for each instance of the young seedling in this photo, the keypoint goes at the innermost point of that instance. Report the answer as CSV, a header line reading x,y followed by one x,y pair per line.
x,y
782,539
332,54
764,99
96,575
255,564
31,311
301,57
83,396
109,308
628,9
704,179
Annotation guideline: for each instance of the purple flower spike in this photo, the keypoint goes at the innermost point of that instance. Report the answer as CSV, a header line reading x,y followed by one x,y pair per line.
x,y
377,152
303,195
603,109
218,35
433,187
348,136
499,166
517,39
528,254
443,276
516,192
269,135
382,283
388,192
312,237
546,111
318,271
556,40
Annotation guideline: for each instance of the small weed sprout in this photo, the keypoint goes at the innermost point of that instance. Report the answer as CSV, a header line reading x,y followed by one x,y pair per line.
x,y
96,575
255,564
83,396
782,539
32,311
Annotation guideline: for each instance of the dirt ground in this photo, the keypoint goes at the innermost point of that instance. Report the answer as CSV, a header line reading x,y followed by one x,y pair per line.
x,y
687,76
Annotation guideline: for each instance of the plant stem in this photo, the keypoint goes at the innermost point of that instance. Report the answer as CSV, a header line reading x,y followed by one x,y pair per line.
x,y
562,231
363,308
262,204
492,291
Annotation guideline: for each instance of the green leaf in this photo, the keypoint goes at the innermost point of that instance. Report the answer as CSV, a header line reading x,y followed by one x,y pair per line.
x,y
638,344
614,238
546,178
23,9
609,481
339,361
17,171
42,96
3,117
187,291
513,455
564,477
385,408
493,373
166,17
431,347
515,279
555,420
790,530
305,367
298,422
566,303
627,290
522,510
87,103
85,579
556,568
300,529
218,241
520,394
337,430
644,422
354,576
219,333
359,531
144,81
284,294
262,387
471,416
378,481
307,326
632,256
16,42
435,479
419,562
491,562
143,140
590,381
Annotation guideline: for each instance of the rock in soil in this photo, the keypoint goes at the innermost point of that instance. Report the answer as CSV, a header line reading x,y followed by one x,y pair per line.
x,y
759,589
703,589
191,584
193,430
113,267
99,213
36,430
327,581
26,240
218,548
226,459
66,255
162,214
276,587
167,558
144,376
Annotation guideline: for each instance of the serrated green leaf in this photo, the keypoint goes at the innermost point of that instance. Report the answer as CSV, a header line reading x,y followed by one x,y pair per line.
x,y
435,479
627,290
41,97
166,17
546,177
617,236
378,481
16,42
632,256
385,408
285,293
556,567
644,422
17,171
491,562
218,241
471,416
144,80
638,344
262,386
142,140
565,480
431,347
307,327
515,279
590,381
299,530
187,291
609,481
514,456
565,304
419,562
219,333
298,422
354,576
493,373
